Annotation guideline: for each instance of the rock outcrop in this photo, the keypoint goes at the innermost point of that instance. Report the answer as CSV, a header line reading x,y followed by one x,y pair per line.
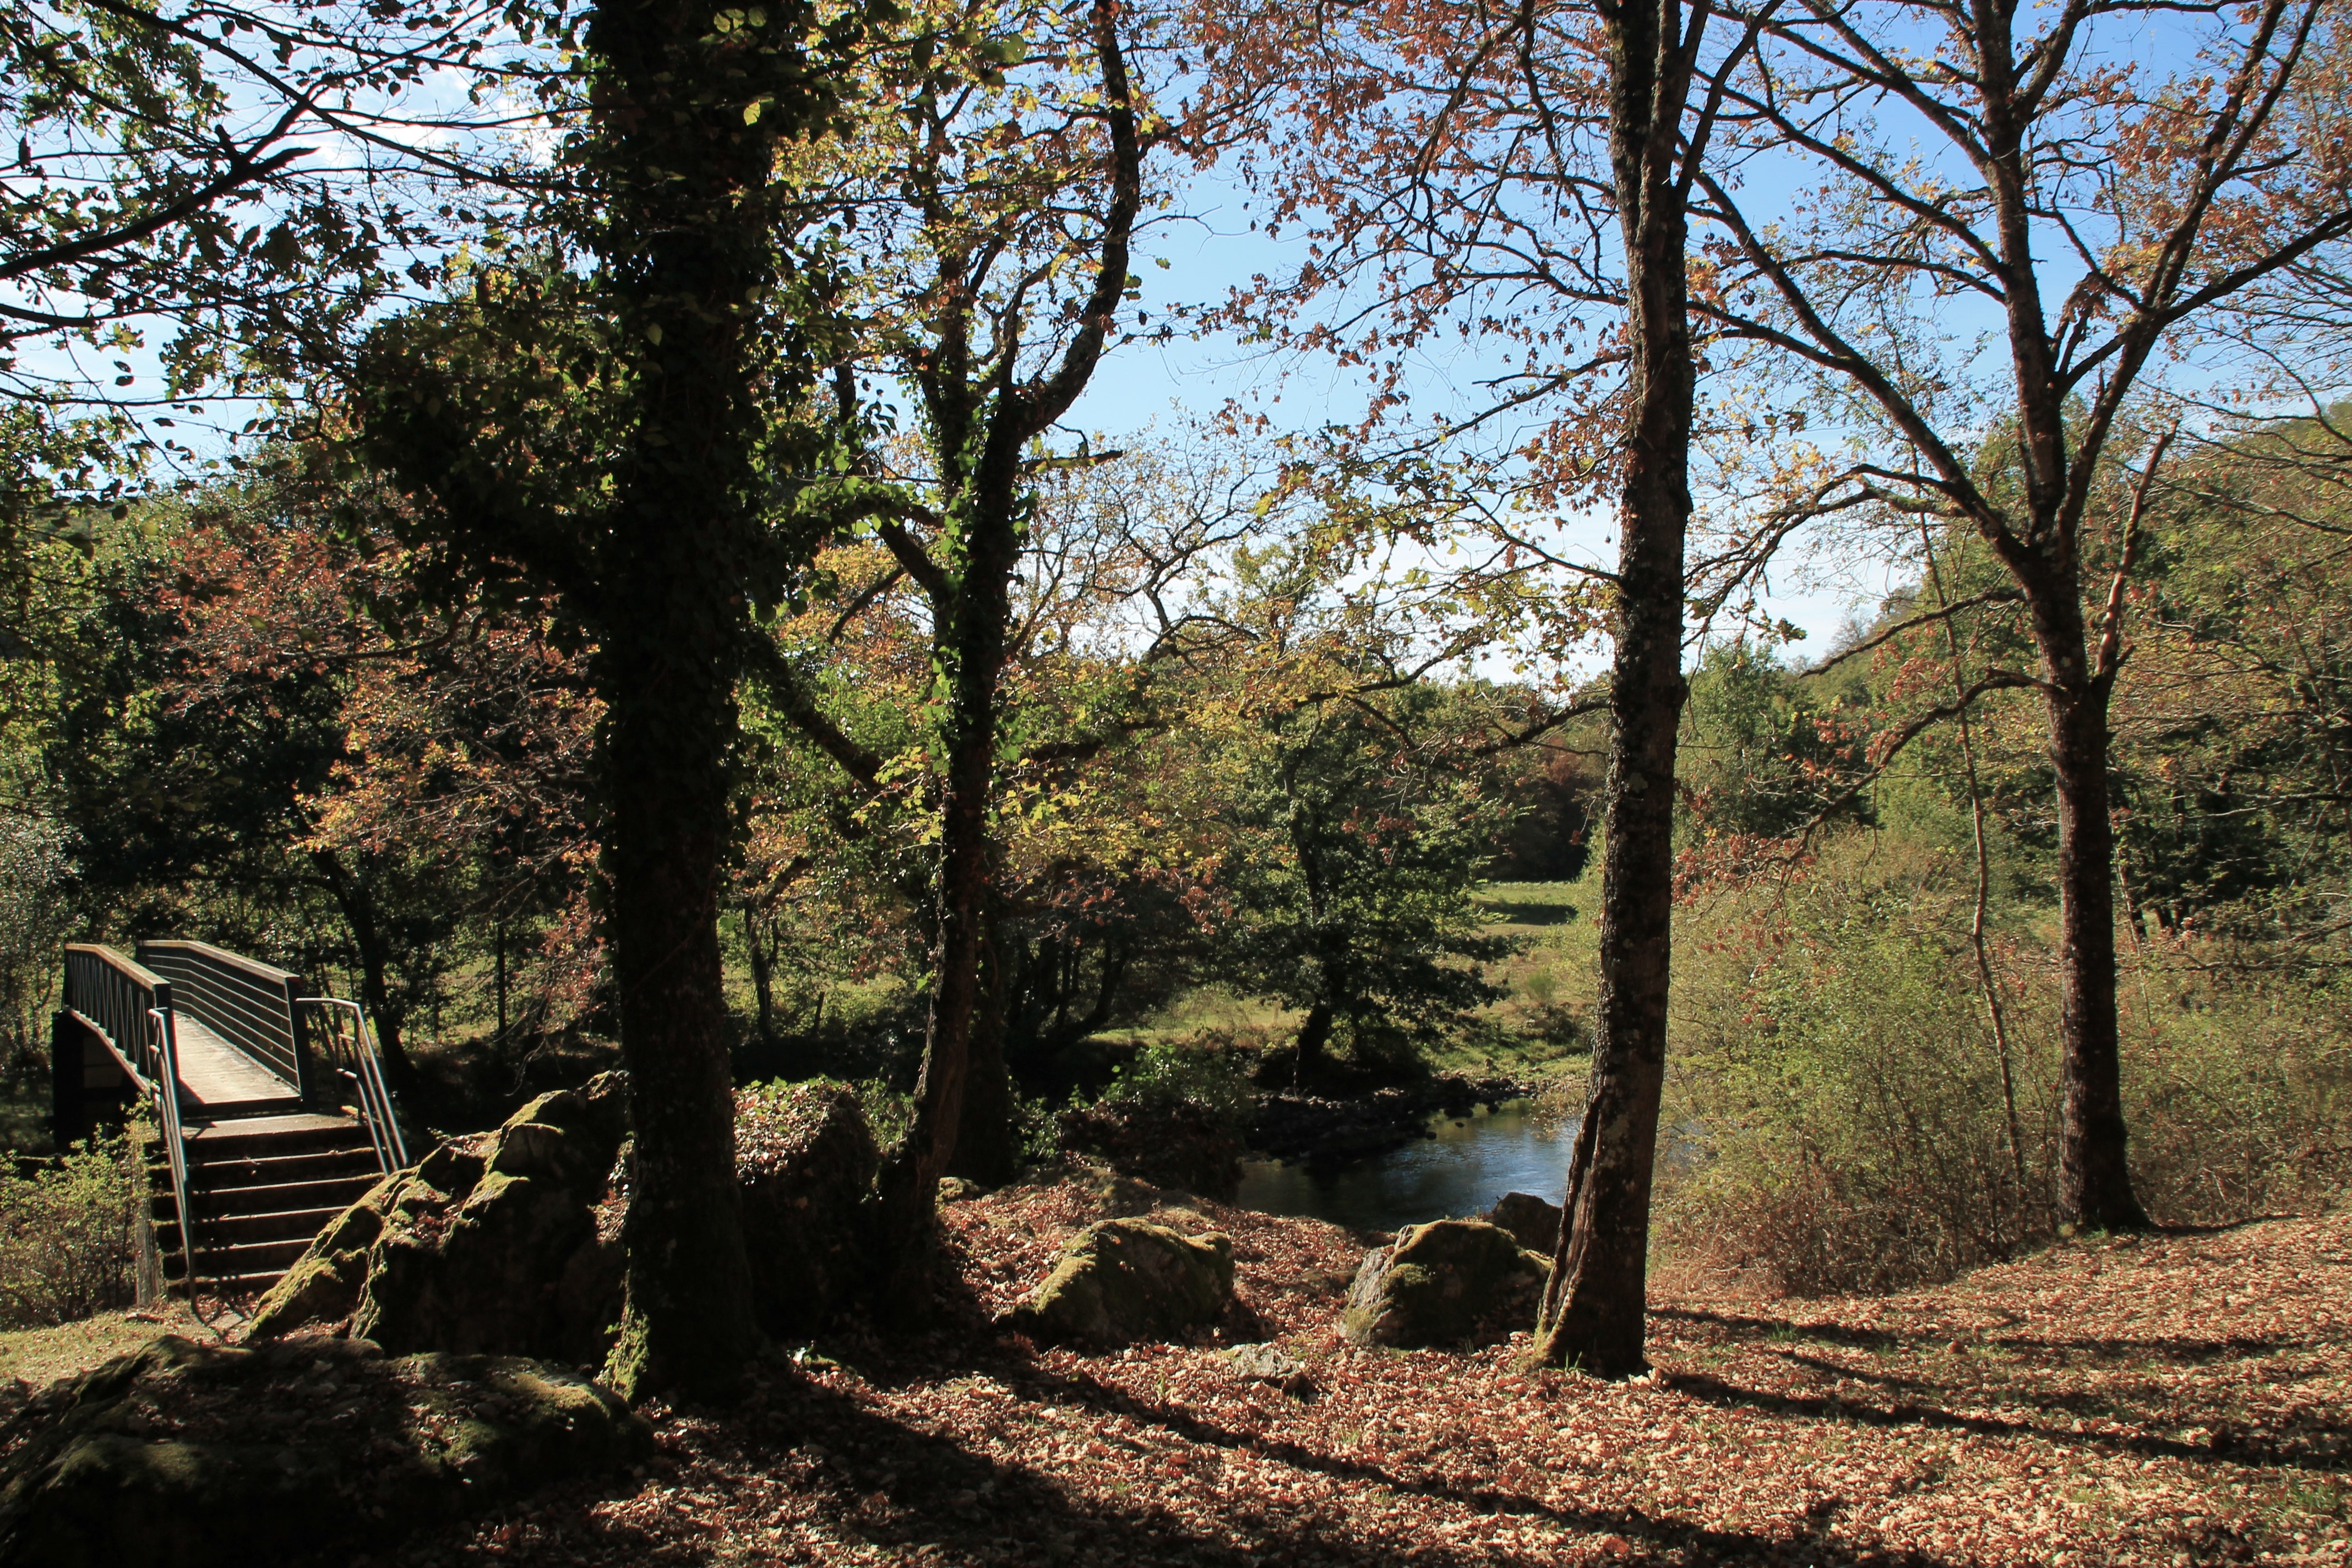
x,y
312,1451
509,1242
1126,1279
506,1243
1533,1222
1450,1282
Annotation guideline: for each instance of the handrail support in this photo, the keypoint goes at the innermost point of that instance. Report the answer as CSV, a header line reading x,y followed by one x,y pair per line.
x,y
364,1072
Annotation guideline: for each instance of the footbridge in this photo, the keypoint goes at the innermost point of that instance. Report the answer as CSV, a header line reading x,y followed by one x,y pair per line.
x,y
269,1103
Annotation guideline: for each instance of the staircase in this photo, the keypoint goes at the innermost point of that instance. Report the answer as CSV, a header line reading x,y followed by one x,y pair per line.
x,y
261,1189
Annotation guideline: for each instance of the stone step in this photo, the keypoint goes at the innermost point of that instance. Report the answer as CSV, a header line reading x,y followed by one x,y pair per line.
x,y
265,1135
277,1170
252,1260
225,1230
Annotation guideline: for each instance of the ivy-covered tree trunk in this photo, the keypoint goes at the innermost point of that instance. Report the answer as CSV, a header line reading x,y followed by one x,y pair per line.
x,y
684,159
961,535
971,642
1595,1307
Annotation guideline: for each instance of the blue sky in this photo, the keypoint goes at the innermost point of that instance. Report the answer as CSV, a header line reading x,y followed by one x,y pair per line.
x,y
1213,247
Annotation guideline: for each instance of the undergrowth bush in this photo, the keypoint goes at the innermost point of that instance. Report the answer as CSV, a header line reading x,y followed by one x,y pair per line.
x,y
2237,1082
66,1238
1836,1120
889,1112
1175,1116
1205,1072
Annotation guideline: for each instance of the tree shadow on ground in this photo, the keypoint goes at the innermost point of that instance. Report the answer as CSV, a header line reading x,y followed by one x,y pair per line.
x,y
806,1474
1917,1396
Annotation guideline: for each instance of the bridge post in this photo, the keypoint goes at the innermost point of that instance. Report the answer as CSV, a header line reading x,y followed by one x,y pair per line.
x,y
68,1099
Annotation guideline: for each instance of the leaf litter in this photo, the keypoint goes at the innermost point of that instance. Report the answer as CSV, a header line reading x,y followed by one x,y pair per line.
x,y
2169,1400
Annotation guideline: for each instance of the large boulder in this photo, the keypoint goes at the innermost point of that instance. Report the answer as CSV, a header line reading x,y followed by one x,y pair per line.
x,y
1126,1279
506,1243
1450,1282
310,1450
1534,1223
805,1161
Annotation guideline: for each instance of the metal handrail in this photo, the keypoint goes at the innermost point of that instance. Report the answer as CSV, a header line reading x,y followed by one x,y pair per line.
x,y
249,1004
165,1091
364,1073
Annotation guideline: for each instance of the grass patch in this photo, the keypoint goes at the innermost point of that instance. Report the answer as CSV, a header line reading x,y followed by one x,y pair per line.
x,y
41,1356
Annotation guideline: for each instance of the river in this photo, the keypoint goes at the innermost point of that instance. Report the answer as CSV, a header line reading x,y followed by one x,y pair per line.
x,y
1471,1161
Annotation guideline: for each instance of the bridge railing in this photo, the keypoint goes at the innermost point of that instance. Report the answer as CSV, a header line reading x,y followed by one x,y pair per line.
x,y
339,1031
167,1099
115,995
254,1006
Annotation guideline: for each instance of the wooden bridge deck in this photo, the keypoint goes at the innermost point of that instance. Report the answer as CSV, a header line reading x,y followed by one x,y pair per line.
x,y
215,1075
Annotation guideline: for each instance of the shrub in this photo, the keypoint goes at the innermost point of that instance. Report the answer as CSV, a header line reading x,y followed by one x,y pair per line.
x,y
66,1238
2237,1082
889,1112
1205,1072
1835,1117
1837,1089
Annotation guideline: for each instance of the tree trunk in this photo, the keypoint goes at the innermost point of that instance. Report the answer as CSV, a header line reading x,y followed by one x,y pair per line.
x,y
1313,1036
688,1320
763,985
987,1150
1595,1307
909,1183
973,646
375,991
2095,1184
358,910
685,247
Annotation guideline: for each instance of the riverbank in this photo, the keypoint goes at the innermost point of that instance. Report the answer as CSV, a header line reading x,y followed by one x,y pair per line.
x,y
1333,1124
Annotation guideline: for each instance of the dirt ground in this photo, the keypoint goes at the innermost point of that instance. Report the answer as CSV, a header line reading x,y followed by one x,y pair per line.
x,y
2169,1400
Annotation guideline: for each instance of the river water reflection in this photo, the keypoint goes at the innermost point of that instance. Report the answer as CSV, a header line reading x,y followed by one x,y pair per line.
x,y
1471,1161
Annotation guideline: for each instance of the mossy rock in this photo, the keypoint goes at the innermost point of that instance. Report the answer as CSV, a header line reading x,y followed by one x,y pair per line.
x,y
805,1161
304,1451
496,1243
1450,1282
1126,1279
